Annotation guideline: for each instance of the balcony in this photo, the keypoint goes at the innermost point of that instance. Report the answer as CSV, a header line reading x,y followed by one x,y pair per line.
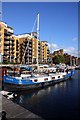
x,y
6,44
17,43
30,45
6,48
6,38
12,52
11,48
10,30
38,43
17,46
6,54
38,54
11,39
30,42
11,43
30,55
30,48
7,33
38,47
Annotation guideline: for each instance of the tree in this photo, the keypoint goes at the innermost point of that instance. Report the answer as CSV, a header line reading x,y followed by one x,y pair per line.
x,y
58,59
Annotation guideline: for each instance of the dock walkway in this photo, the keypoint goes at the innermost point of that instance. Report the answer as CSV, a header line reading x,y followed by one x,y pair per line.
x,y
14,110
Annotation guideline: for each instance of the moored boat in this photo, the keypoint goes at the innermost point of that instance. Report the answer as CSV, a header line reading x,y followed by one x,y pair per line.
x,y
35,80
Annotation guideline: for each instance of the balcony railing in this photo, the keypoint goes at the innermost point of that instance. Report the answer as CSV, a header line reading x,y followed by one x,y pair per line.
x,y
10,30
11,43
11,48
30,45
7,33
12,52
6,54
6,44
6,38
11,39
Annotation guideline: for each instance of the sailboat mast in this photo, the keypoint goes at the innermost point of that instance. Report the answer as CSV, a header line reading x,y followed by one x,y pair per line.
x,y
37,36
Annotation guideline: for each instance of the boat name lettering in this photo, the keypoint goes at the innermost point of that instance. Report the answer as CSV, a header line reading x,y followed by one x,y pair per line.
x,y
9,79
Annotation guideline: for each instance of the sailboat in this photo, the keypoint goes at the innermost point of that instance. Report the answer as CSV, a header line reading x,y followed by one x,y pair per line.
x,y
35,80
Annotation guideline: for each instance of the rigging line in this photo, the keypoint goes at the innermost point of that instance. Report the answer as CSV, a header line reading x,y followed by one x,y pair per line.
x,y
25,51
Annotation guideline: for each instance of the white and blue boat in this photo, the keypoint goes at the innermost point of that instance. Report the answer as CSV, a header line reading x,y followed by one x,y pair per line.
x,y
27,82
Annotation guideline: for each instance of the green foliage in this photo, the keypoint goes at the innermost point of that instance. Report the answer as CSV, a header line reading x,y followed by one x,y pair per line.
x,y
58,59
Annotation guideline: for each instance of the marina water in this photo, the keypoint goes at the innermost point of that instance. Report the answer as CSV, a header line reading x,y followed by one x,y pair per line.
x,y
58,101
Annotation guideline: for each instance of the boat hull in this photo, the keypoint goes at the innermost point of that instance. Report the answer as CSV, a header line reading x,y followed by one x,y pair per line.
x,y
19,87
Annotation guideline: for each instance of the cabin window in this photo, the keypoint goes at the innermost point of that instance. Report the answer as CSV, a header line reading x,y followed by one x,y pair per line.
x,y
35,80
45,78
58,76
53,78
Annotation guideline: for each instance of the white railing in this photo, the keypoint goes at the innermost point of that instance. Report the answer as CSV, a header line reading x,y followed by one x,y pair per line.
x,y
10,30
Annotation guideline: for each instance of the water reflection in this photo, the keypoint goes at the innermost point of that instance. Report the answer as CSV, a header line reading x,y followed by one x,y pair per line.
x,y
21,99
36,96
60,100
62,84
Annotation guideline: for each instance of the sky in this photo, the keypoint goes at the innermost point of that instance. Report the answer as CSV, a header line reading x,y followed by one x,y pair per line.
x,y
58,22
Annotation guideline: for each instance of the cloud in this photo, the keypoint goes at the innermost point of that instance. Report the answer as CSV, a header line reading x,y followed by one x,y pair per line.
x,y
71,51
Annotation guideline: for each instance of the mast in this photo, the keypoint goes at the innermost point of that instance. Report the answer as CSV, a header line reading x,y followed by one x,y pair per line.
x,y
37,37
36,21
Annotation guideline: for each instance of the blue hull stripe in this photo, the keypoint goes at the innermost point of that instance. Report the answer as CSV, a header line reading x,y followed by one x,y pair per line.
x,y
9,79
12,80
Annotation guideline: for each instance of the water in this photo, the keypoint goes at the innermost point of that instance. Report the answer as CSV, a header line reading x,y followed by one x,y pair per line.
x,y
58,101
